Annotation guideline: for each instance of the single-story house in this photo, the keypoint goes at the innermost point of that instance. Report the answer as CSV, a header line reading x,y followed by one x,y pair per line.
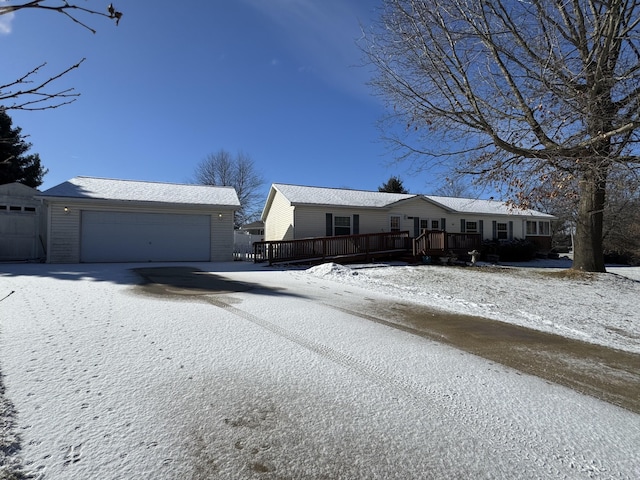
x,y
105,220
294,212
253,228
22,227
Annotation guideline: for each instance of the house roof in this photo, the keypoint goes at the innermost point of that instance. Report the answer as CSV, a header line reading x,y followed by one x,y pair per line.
x,y
482,207
340,197
139,191
17,189
253,225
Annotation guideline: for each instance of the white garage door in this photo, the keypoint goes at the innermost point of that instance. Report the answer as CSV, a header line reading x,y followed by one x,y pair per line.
x,y
18,236
144,237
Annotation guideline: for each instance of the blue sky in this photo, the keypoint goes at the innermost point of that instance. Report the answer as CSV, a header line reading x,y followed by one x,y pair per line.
x,y
176,81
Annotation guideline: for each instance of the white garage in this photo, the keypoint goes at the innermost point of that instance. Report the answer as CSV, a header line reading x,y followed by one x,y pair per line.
x,y
105,220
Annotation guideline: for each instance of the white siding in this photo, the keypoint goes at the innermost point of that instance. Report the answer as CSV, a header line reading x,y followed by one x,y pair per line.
x,y
279,222
64,234
415,208
222,236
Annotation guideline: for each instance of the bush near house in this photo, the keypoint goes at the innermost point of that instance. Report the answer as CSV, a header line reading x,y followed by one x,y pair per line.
x,y
509,251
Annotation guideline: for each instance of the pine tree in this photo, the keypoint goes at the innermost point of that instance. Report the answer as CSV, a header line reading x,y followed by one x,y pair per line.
x,y
15,165
393,185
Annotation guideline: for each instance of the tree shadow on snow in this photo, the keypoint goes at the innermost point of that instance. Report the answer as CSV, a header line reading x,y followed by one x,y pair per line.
x,y
10,442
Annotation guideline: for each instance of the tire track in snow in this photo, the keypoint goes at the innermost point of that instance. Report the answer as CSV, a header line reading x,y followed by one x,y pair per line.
x,y
502,433
367,369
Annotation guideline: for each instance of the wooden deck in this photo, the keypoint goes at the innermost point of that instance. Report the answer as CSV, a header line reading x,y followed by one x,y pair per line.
x,y
363,247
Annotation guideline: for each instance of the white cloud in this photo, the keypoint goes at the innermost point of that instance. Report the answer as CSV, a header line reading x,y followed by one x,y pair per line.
x,y
5,23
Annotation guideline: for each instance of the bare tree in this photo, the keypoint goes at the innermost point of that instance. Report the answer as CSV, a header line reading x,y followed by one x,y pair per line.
x,y
33,90
223,169
542,91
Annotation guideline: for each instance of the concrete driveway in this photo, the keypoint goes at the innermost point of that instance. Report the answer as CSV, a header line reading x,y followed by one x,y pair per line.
x,y
176,373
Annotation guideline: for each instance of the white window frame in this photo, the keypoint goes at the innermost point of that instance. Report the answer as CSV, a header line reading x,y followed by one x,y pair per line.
x,y
544,228
393,218
346,226
502,230
538,228
471,226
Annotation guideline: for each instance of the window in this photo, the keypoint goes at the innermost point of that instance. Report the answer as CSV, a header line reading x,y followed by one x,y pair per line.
x,y
341,225
426,224
538,228
15,208
543,228
471,227
395,223
501,231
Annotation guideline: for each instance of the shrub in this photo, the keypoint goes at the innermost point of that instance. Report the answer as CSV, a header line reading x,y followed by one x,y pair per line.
x,y
509,251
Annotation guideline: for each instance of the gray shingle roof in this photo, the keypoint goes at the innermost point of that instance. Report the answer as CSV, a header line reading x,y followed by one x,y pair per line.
x,y
139,191
301,195
340,197
485,207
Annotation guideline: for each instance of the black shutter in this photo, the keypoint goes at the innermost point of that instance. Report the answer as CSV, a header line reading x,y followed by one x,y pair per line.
x,y
443,224
462,226
329,229
510,229
416,226
495,229
356,224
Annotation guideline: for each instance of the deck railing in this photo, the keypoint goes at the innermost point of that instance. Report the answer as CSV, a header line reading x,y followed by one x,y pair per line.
x,y
326,248
431,242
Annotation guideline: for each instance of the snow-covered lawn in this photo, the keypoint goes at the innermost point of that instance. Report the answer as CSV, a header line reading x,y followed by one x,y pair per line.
x,y
110,382
596,308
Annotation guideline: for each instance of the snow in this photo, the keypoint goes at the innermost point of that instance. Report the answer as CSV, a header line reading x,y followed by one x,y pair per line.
x,y
140,191
110,382
601,310
299,194
489,207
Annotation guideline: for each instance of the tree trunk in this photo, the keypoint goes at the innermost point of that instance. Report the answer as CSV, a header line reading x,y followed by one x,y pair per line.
x,y
588,254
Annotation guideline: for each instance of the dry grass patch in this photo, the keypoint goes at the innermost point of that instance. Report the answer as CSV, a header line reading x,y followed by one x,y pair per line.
x,y
570,274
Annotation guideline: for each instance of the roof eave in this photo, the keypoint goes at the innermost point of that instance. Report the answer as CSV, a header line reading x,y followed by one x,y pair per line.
x,y
146,203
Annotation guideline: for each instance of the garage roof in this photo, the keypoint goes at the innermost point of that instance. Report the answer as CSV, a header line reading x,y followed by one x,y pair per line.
x,y
139,191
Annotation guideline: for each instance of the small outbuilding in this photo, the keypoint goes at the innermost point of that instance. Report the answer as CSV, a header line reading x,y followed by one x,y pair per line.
x,y
22,229
105,220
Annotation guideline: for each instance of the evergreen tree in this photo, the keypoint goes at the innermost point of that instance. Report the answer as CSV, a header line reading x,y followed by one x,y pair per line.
x,y
15,165
393,185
